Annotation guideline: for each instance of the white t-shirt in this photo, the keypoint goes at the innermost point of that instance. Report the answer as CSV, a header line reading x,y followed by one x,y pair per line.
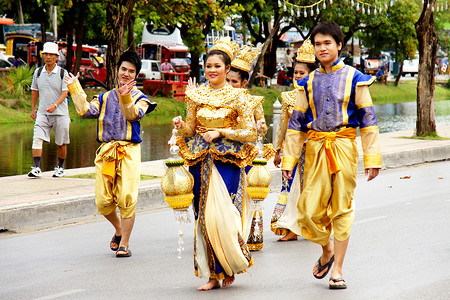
x,y
50,87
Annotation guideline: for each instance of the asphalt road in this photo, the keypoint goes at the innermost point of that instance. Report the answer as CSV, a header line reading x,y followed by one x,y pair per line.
x,y
399,249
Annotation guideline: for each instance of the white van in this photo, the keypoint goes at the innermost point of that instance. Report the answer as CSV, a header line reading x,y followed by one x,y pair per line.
x,y
150,70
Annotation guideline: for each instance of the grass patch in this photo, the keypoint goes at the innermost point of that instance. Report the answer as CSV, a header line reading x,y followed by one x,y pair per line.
x,y
270,96
430,136
405,92
92,176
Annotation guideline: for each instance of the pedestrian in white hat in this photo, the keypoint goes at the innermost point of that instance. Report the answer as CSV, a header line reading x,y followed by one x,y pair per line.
x,y
50,48
50,89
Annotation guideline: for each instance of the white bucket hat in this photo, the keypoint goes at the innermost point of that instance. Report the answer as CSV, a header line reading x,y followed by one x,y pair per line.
x,y
51,48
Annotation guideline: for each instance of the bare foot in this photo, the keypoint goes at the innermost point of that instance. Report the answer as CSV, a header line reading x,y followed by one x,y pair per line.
x,y
211,284
290,236
228,280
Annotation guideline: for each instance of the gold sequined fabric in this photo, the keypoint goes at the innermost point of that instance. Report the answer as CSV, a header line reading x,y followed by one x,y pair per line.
x,y
209,109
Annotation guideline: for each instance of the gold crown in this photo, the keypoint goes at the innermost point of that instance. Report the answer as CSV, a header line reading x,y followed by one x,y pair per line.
x,y
306,53
245,57
226,45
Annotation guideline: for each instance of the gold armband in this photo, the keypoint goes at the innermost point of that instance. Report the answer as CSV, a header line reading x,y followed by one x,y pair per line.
x,y
75,88
125,99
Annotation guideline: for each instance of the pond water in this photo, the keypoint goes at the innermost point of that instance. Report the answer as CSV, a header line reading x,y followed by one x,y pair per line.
x,y
16,157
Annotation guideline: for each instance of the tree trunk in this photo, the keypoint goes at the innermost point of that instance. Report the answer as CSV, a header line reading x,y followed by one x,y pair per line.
x,y
20,12
400,72
117,15
130,36
270,57
79,36
195,67
43,18
268,43
426,34
70,25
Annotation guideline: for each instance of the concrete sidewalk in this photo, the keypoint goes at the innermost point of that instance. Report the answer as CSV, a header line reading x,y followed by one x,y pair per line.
x,y
29,204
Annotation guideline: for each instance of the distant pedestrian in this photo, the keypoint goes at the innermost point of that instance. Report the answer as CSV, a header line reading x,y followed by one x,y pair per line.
x,y
34,62
283,79
62,57
17,61
118,161
166,67
332,102
289,61
50,89
382,75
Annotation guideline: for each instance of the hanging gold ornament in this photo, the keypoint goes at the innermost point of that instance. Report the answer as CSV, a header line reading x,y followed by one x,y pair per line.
x,y
177,184
258,179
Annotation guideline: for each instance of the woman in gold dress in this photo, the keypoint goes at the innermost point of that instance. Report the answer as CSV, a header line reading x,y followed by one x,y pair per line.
x,y
284,217
238,78
217,151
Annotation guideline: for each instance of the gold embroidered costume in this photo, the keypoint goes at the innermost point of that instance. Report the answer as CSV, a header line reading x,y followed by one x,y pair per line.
x,y
218,168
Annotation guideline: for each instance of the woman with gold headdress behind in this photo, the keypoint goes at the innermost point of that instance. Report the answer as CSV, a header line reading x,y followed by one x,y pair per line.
x,y
284,217
237,78
216,152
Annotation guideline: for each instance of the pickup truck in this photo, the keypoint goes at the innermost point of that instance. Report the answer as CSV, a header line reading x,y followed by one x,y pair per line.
x,y
411,67
150,70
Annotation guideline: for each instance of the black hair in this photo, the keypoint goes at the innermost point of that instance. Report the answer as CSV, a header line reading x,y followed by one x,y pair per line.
x,y
131,57
224,57
329,28
310,66
243,74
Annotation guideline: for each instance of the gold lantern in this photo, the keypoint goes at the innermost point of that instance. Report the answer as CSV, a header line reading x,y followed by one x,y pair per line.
x,y
258,180
177,184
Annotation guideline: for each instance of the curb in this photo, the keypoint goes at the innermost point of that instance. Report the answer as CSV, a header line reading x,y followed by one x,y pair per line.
x,y
45,214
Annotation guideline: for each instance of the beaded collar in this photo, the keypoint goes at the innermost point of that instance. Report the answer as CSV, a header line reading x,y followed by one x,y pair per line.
x,y
217,98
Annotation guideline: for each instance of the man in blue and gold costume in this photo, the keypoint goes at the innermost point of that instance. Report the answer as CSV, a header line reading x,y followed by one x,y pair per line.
x,y
118,160
332,102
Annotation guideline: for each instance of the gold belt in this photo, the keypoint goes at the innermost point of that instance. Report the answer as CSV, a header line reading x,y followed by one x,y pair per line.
x,y
112,153
330,137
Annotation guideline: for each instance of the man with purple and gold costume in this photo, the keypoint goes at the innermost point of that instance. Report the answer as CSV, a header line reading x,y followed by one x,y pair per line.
x,y
118,160
332,102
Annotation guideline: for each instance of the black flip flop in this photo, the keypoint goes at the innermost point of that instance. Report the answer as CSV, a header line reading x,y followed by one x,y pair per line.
x,y
123,249
320,268
337,287
116,239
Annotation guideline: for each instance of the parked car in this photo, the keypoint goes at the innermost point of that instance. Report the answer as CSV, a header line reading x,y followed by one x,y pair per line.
x,y
150,70
5,63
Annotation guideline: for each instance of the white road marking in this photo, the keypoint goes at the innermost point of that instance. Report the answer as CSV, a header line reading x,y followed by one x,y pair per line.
x,y
62,294
370,220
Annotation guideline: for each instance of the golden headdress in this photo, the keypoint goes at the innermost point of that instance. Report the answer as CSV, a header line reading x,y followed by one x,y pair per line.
x,y
245,57
306,53
226,45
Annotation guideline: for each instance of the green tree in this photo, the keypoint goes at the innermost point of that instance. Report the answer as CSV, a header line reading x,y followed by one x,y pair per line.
x,y
352,17
395,30
118,13
442,24
194,18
